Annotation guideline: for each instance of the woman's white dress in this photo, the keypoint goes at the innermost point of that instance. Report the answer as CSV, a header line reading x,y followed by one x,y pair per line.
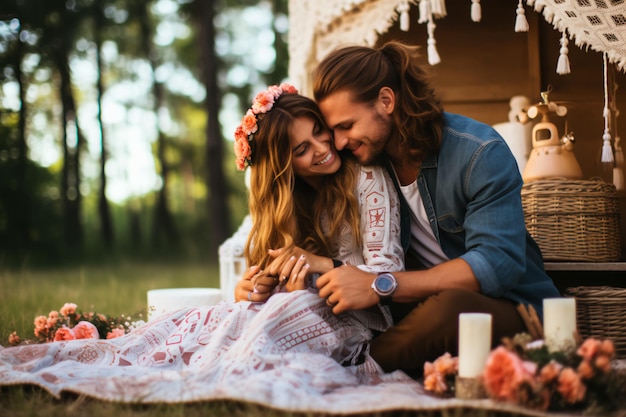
x,y
288,350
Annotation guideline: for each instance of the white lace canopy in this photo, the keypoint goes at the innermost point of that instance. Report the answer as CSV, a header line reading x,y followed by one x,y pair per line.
x,y
319,26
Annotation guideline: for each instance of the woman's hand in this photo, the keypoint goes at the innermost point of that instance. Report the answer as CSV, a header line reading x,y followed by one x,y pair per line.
x,y
317,264
255,285
296,277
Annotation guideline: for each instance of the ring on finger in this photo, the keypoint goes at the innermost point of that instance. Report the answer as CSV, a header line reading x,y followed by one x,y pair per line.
x,y
250,296
329,304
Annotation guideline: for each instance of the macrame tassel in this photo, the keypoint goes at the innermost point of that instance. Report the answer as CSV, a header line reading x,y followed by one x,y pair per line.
x,y
424,11
607,151
433,55
477,13
607,165
521,24
438,8
562,66
404,8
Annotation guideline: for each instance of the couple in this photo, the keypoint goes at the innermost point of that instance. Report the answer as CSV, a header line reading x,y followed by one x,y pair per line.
x,y
462,224
437,190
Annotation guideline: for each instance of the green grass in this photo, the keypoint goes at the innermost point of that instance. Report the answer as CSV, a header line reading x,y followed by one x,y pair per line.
x,y
113,290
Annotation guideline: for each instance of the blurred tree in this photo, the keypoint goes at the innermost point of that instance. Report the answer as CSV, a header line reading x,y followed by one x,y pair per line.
x,y
164,230
59,27
106,224
71,58
215,177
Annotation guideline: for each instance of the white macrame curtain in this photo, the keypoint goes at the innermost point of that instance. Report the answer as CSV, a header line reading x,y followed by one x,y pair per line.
x,y
319,26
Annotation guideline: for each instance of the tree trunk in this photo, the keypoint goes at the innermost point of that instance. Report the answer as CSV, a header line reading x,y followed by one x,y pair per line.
x,y
23,203
219,219
163,227
70,182
106,227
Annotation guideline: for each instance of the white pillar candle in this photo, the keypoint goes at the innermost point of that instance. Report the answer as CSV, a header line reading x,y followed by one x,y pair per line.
x,y
559,323
169,299
474,343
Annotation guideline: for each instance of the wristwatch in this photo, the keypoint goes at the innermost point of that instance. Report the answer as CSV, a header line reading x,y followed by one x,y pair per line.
x,y
385,285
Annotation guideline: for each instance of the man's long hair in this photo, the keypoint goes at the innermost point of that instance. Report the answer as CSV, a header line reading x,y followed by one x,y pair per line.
x,y
363,71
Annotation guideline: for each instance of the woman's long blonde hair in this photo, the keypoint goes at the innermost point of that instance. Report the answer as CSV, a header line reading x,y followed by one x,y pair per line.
x,y
285,210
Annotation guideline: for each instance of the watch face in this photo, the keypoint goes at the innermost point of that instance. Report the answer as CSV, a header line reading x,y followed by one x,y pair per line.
x,y
384,284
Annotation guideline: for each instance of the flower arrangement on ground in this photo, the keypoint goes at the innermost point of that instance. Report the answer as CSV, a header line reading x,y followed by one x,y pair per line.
x,y
69,323
525,373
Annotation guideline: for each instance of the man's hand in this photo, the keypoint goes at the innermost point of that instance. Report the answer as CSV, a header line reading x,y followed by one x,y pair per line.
x,y
347,288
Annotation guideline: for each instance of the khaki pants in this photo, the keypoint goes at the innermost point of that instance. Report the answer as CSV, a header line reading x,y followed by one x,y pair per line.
x,y
424,331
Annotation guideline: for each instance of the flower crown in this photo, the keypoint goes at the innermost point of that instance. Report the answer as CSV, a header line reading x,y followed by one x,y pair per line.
x,y
244,134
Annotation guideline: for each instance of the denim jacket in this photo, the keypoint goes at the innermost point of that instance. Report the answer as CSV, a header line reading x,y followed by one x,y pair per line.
x,y
471,191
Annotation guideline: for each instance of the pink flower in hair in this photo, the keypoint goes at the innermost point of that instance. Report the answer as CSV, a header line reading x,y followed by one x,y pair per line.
x,y
242,152
248,123
262,103
288,88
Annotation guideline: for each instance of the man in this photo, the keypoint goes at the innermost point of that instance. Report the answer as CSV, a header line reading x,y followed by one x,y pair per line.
x,y
463,222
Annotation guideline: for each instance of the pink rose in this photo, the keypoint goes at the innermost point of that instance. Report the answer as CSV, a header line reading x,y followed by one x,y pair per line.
x,y
248,123
85,330
585,370
263,102
240,134
115,333
550,372
571,387
504,373
68,309
435,383
288,88
589,348
603,364
40,322
242,153
275,90
446,364
14,339
64,333
607,348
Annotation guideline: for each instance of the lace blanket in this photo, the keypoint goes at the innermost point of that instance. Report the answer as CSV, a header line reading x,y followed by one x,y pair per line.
x,y
291,353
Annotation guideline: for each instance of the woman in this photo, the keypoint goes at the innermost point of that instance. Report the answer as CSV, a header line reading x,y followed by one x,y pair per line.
x,y
288,347
304,200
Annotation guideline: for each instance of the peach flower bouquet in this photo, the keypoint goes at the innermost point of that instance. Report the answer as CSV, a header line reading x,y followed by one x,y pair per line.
x,y
69,323
525,373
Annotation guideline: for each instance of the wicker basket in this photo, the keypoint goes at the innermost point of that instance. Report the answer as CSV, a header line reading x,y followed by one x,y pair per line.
x,y
600,313
573,220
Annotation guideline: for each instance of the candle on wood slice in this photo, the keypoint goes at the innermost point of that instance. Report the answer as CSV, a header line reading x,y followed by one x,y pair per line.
x,y
474,343
559,323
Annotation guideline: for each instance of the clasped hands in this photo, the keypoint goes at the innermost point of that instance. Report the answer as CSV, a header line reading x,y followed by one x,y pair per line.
x,y
344,288
257,285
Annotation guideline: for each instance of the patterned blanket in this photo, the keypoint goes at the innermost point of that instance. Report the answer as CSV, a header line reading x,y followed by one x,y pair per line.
x,y
290,353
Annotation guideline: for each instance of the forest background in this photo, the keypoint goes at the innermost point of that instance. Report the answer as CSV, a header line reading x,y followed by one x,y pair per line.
x,y
116,119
